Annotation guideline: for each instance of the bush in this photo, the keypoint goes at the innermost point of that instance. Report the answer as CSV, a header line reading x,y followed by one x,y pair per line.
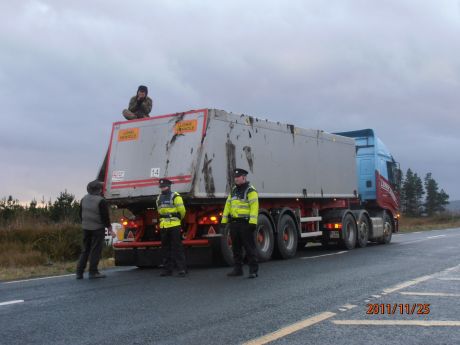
x,y
60,242
13,254
42,244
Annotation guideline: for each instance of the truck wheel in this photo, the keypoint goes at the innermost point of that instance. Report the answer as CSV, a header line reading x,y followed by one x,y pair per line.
x,y
226,252
348,240
387,229
286,237
363,232
264,238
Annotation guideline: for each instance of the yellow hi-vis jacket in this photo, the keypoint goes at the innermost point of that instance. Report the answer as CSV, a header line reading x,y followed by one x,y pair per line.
x,y
242,205
170,209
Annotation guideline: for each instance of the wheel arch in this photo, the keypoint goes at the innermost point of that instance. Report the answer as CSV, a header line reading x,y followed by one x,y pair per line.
x,y
278,215
265,212
360,214
337,215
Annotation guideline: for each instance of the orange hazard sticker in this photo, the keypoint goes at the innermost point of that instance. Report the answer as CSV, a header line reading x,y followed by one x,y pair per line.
x,y
128,134
186,126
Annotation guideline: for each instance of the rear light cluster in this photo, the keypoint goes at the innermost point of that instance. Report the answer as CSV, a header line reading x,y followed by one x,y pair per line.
x,y
130,229
333,226
137,223
208,220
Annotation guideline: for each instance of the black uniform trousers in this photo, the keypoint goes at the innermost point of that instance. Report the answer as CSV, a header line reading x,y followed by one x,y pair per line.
x,y
93,241
242,235
172,249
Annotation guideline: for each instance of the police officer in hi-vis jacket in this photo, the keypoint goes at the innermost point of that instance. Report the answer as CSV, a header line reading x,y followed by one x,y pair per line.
x,y
241,212
171,211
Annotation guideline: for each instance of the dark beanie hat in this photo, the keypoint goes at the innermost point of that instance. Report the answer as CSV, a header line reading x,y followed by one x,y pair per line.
x,y
94,187
143,88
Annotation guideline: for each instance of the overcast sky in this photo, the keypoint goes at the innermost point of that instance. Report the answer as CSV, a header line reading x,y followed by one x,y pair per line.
x,y
68,68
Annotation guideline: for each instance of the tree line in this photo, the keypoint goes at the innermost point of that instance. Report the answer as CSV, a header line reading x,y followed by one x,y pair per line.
x,y
421,197
418,197
64,209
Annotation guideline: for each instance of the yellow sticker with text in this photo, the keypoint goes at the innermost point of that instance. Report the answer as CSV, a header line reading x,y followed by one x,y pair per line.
x,y
128,134
186,126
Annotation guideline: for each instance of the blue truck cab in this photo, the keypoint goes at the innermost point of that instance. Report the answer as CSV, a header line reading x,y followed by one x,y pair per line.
x,y
377,170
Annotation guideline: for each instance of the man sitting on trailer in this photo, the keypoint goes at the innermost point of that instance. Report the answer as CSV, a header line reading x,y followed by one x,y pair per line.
x,y
140,105
241,211
171,211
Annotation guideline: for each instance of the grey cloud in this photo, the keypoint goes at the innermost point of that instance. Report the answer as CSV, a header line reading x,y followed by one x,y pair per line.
x,y
67,70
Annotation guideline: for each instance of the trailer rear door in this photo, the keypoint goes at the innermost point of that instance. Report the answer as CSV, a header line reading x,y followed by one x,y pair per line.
x,y
145,150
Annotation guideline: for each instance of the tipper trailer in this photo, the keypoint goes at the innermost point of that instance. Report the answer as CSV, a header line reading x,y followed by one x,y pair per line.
x,y
312,185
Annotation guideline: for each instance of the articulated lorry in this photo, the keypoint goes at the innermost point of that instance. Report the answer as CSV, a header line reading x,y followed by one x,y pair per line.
x,y
313,185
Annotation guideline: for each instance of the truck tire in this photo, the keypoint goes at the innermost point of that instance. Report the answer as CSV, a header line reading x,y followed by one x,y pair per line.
x,y
363,232
286,237
226,252
348,240
264,238
387,229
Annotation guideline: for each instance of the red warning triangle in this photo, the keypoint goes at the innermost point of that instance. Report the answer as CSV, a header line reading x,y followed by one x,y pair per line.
x,y
130,236
211,231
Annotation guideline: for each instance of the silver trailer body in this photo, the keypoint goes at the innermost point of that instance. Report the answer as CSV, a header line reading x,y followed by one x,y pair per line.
x,y
198,150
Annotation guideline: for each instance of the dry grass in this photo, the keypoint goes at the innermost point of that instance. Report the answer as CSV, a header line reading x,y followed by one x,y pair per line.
x,y
59,242
42,250
35,271
444,221
20,255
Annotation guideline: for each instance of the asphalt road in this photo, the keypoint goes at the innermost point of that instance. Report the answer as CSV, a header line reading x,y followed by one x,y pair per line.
x,y
406,292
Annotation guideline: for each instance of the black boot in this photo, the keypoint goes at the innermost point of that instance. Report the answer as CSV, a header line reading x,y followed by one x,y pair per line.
x,y
236,272
96,275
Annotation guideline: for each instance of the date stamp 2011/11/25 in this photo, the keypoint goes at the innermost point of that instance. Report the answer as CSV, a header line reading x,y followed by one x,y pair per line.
x,y
398,308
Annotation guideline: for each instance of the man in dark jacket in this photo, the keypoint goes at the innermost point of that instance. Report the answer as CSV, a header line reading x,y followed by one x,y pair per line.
x,y
140,105
94,214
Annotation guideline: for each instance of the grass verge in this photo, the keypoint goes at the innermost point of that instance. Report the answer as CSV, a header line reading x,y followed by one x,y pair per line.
x,y
54,269
443,221
42,250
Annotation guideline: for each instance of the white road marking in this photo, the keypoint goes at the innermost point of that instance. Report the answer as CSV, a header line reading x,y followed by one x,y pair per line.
x,y
33,279
418,280
423,323
452,268
410,242
424,239
436,236
12,302
290,329
376,296
349,306
320,256
441,294
408,283
452,278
